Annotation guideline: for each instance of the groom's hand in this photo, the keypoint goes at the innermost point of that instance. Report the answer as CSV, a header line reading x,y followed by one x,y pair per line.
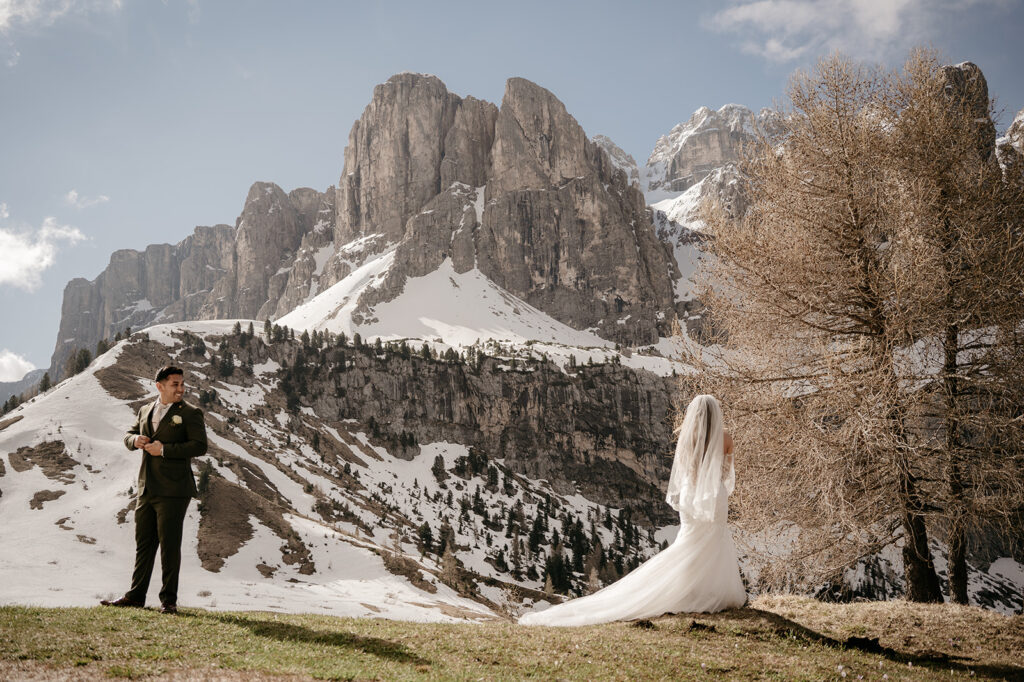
x,y
155,448
141,441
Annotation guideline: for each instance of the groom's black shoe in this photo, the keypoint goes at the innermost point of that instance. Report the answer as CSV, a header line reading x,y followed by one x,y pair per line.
x,y
123,601
170,609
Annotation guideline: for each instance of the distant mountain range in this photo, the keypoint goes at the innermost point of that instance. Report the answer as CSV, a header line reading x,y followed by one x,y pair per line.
x,y
9,388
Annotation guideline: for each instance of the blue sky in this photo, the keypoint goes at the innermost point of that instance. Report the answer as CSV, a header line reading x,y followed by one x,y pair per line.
x,y
129,122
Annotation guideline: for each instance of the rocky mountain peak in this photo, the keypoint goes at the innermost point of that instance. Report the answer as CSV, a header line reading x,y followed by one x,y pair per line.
x,y
537,143
393,158
619,158
708,140
518,192
965,82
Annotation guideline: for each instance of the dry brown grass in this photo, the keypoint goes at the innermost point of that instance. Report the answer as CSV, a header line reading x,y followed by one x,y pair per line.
x,y
790,638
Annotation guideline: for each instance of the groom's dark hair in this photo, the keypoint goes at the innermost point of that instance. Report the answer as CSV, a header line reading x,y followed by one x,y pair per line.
x,y
168,371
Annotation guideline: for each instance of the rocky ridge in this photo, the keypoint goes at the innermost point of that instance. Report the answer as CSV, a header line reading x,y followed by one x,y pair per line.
x,y
518,192
619,158
707,141
217,272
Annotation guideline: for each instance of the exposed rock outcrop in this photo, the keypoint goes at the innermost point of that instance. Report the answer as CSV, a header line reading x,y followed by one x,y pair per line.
x,y
393,158
619,158
966,83
520,193
603,431
708,140
1010,147
216,272
301,280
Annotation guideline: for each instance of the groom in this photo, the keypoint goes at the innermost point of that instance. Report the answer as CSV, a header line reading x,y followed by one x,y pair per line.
x,y
170,432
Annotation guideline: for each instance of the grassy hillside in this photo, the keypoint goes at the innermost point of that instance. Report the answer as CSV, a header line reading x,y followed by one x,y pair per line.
x,y
780,637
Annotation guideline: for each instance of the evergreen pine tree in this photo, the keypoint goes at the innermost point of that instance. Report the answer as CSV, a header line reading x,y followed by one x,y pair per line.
x,y
438,469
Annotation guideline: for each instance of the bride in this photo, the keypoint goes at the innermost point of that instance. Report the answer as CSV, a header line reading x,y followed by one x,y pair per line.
x,y
699,571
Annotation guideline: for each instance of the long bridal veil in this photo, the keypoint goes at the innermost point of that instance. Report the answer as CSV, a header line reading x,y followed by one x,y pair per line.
x,y
698,572
697,476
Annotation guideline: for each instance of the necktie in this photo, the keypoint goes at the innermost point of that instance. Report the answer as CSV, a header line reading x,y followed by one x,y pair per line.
x,y
158,414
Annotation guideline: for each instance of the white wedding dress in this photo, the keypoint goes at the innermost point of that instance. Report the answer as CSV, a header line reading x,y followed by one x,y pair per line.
x,y
698,572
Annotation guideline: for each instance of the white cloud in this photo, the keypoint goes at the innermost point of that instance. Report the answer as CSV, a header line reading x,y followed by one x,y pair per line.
x,y
47,12
79,201
29,14
785,30
24,256
13,367
4,212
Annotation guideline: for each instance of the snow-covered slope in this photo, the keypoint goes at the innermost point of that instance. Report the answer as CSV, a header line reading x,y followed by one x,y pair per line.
x,y
456,310
75,549
303,514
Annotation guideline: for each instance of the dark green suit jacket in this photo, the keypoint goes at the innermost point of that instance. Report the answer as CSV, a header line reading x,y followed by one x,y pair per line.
x,y
183,434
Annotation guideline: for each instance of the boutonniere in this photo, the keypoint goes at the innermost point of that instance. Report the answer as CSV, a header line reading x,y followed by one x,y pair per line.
x,y
176,419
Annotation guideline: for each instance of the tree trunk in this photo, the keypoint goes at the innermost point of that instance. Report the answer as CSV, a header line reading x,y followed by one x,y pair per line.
x,y
918,569
957,534
957,562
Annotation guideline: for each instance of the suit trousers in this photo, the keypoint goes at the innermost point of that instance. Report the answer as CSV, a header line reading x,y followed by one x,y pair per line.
x,y
159,521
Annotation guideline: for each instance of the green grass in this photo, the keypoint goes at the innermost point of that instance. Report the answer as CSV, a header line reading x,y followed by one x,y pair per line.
x,y
775,638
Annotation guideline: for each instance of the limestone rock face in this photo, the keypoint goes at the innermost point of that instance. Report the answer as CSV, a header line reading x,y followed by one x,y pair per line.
x,y
604,432
300,281
708,140
266,236
131,292
207,256
564,230
393,158
467,146
523,195
965,81
537,144
619,158
216,272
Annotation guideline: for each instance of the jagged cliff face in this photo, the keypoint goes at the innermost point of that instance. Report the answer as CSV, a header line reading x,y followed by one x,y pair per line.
x,y
217,272
1010,147
518,192
603,431
581,245
393,157
708,140
619,158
